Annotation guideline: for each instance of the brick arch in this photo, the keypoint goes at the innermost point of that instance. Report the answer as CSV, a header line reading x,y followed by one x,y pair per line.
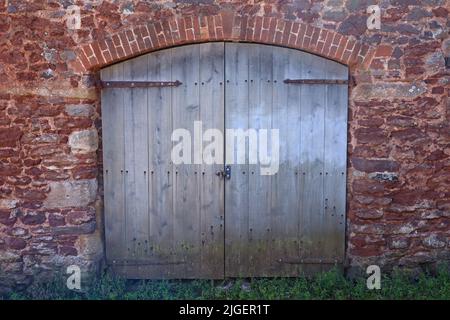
x,y
221,27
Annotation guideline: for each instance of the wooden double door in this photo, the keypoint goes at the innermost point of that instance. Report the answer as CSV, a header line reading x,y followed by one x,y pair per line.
x,y
180,220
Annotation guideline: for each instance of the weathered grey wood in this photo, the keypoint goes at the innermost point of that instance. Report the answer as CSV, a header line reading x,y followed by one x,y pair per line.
x,y
113,166
260,186
183,221
288,228
160,183
212,187
237,234
138,222
186,110
335,171
286,118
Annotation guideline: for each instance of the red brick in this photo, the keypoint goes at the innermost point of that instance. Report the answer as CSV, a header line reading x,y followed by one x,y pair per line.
x,y
243,27
286,33
139,39
341,48
258,28
98,54
167,32
153,35
182,29
301,35
83,59
218,27
196,28
121,44
250,29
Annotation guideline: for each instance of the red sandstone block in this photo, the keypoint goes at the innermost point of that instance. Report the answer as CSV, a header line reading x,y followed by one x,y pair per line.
x,y
384,51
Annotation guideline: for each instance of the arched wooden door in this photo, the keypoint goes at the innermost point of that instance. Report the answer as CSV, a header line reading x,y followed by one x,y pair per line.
x,y
179,220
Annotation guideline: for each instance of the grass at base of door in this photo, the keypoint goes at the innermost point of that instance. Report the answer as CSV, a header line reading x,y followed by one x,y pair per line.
x,y
328,285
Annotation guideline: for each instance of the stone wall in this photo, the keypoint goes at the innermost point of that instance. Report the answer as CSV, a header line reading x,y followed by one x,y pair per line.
x,y
50,126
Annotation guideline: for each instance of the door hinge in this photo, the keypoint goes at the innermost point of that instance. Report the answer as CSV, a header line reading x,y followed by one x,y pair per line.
x,y
311,261
315,81
139,84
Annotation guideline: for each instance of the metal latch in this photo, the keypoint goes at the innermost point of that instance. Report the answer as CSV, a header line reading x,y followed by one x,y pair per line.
x,y
226,173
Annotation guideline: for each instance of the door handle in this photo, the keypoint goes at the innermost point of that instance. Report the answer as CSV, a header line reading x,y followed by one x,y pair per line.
x,y
226,173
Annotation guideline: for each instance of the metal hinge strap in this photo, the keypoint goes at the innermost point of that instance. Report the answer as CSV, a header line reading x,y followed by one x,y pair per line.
x,y
311,261
139,84
315,81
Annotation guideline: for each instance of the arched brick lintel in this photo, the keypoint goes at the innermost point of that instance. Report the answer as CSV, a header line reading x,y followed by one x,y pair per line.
x,y
221,27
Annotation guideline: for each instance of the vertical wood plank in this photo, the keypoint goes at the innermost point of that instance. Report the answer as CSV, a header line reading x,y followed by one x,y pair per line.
x,y
312,152
186,110
285,207
260,186
138,223
237,230
161,218
212,186
335,171
113,165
